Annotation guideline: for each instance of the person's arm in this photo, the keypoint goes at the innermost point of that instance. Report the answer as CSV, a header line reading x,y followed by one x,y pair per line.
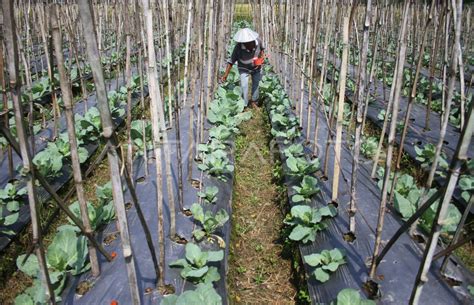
x,y
226,73
230,63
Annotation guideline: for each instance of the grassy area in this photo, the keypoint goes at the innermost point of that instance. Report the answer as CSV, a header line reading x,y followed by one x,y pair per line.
x,y
243,12
260,267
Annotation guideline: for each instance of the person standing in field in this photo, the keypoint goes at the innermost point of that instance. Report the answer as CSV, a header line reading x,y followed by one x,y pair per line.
x,y
249,53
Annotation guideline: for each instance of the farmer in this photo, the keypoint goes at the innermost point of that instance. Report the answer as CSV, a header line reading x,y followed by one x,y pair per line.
x,y
249,53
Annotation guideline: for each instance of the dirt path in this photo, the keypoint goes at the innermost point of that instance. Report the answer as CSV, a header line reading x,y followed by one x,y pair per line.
x,y
258,273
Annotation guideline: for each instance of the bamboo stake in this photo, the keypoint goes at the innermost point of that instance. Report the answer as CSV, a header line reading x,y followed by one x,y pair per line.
x,y
433,60
410,102
455,167
305,55
168,60
340,106
4,97
210,53
314,38
398,75
128,73
360,112
68,105
107,125
155,116
28,171
373,67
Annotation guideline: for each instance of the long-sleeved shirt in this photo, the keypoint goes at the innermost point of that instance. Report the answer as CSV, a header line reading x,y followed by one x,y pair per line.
x,y
245,57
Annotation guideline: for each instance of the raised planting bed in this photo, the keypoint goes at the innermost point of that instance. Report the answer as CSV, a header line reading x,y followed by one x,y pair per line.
x,y
54,165
417,138
396,274
208,191
57,170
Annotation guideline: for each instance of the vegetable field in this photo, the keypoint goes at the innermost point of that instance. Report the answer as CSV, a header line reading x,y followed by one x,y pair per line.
x,y
133,170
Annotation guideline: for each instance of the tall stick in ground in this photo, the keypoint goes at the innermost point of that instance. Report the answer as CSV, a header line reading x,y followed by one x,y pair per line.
x,y
314,39
156,130
3,83
455,167
169,59
128,75
11,45
68,105
305,56
210,52
85,11
166,148
340,104
359,117
397,85
185,89
411,98
452,70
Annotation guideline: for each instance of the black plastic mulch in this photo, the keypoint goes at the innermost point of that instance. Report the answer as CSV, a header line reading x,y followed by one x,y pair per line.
x,y
397,272
112,284
41,141
416,133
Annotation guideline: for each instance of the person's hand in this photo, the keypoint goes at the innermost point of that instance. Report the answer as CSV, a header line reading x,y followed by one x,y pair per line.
x,y
258,61
223,78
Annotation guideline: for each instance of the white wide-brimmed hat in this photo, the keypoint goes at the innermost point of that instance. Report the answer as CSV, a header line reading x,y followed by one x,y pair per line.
x,y
245,35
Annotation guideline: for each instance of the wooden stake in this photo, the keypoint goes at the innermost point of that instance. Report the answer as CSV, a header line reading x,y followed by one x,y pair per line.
x,y
85,10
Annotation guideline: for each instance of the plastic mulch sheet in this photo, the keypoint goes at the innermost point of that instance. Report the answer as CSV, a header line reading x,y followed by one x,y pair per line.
x,y
112,284
416,133
396,274
41,141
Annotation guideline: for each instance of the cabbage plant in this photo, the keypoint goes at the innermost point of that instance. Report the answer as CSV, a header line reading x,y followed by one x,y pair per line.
x,y
209,221
209,195
195,265
203,294
325,263
306,190
306,221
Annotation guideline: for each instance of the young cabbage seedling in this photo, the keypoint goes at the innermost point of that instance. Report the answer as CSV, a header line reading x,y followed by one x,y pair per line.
x,y
10,199
325,262
210,222
98,215
88,127
368,146
204,294
195,265
209,195
221,133
350,296
306,191
466,184
307,221
295,151
217,164
49,161
299,167
67,253
288,135
426,156
136,133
